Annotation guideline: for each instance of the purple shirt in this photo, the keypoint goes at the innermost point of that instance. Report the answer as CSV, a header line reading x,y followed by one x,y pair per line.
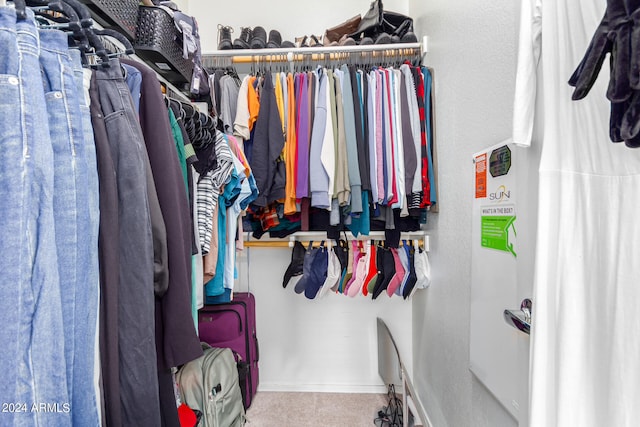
x,y
379,143
302,184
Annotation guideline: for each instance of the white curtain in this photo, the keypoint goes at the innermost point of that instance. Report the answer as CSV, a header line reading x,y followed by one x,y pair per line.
x,y
585,352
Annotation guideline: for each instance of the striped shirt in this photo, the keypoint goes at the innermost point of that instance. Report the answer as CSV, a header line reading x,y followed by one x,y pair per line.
x,y
209,187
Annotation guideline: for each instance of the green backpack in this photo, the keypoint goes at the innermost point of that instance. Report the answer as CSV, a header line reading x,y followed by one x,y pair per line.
x,y
210,385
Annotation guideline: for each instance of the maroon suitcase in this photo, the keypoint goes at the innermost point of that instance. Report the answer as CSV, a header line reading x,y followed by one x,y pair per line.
x,y
233,325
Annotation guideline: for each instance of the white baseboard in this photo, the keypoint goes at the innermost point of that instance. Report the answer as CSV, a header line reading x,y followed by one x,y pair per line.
x,y
323,388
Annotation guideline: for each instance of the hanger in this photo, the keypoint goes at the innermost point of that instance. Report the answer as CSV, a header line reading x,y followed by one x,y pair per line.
x,y
64,16
21,9
118,36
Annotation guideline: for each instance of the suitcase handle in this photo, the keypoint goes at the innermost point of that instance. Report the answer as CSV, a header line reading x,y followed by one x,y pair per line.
x,y
255,338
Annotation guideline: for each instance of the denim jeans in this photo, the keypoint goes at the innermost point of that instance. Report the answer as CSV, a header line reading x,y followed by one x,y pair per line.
x,y
31,346
92,285
12,226
136,308
72,212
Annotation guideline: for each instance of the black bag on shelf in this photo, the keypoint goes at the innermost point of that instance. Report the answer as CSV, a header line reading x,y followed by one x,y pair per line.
x,y
159,43
121,15
377,21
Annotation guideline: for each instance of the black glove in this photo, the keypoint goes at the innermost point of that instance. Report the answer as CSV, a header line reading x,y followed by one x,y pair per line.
x,y
585,75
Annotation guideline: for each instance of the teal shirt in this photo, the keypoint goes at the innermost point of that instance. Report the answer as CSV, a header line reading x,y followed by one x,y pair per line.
x,y
177,138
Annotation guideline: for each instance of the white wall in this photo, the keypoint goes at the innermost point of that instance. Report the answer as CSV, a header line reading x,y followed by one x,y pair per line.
x,y
329,344
472,46
473,50
291,18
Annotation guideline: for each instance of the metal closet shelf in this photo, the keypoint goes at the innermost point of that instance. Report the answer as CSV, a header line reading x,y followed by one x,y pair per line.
x,y
301,54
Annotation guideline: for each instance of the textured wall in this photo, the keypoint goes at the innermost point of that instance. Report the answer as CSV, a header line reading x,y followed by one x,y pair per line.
x,y
291,18
472,46
327,344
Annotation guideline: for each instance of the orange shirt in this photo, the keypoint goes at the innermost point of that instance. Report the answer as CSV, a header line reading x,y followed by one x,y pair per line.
x,y
290,150
254,103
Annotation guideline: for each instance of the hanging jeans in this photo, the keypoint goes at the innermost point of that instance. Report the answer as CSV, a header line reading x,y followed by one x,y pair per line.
x,y
138,365
74,234
31,345
92,189
108,256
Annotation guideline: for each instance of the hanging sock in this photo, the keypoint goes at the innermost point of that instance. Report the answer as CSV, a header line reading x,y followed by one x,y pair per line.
x,y
403,254
348,273
309,256
342,252
334,271
318,272
360,273
356,259
396,280
411,282
296,266
372,272
386,273
379,265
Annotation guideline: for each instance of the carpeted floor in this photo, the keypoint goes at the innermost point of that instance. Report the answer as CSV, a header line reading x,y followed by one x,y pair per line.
x,y
271,409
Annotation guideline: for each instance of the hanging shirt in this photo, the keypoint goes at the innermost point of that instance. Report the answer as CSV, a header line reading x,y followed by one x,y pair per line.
x,y
291,146
318,173
343,188
351,142
268,143
363,155
285,100
279,99
241,122
414,118
253,101
209,188
331,87
426,190
228,103
409,151
302,182
371,137
380,148
248,190
429,124
387,139
398,143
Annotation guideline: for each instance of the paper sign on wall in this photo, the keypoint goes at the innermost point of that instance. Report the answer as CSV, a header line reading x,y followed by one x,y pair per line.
x,y
481,175
493,345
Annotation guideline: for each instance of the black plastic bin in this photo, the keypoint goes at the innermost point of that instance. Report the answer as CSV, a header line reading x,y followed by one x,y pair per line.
x,y
156,43
121,15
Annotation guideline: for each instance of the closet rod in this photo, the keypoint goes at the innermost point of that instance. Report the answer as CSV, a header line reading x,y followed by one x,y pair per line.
x,y
306,236
313,53
373,235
